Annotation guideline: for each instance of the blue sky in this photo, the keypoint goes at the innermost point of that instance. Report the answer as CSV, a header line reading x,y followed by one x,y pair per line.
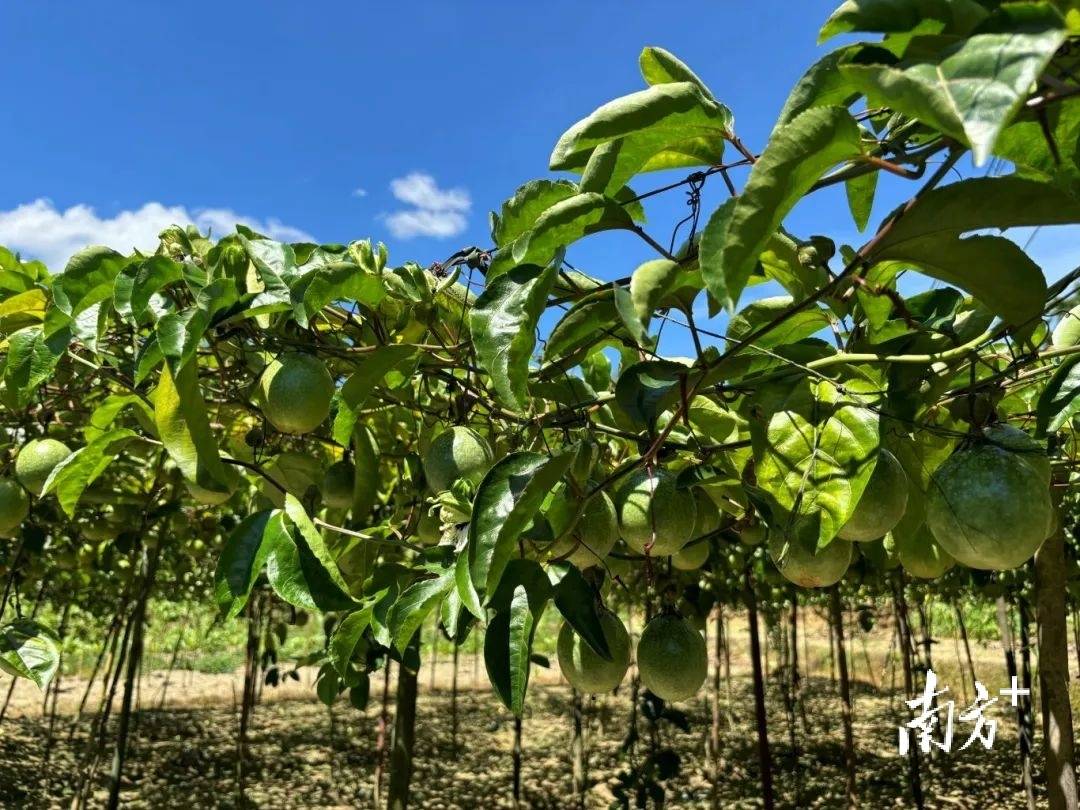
x,y
404,122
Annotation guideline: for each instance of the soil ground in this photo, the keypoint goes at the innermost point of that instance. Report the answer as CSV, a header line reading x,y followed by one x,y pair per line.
x,y
305,756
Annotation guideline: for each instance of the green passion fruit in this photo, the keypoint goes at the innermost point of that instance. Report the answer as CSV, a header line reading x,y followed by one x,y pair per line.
x,y
753,534
594,534
796,556
296,392
671,658
691,556
921,555
337,485
14,504
882,503
653,510
586,670
36,460
459,452
989,507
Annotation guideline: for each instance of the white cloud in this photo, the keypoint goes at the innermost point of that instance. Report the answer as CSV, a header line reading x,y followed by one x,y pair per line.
x,y
359,192
39,230
435,211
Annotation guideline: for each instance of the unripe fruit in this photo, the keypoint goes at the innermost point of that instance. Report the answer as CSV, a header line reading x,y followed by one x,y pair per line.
x,y
650,502
882,503
296,392
796,556
459,452
594,534
922,556
671,658
692,556
707,520
989,508
14,504
36,461
753,534
337,485
587,671
429,528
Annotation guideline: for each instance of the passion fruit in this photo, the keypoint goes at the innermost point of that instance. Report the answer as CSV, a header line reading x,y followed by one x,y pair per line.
x,y
586,670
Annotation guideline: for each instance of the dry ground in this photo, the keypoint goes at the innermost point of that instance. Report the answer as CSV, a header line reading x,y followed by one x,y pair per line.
x,y
184,755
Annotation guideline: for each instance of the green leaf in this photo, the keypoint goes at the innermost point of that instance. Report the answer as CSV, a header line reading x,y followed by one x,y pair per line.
x,y
659,66
32,356
25,308
70,478
590,323
369,374
860,197
346,636
817,454
136,284
648,388
801,325
823,85
338,281
1024,143
241,561
465,589
900,16
105,414
992,268
87,280
414,605
578,601
1067,331
970,90
521,635
559,226
184,429
29,650
506,501
503,324
1059,401
366,477
315,546
520,212
670,125
797,155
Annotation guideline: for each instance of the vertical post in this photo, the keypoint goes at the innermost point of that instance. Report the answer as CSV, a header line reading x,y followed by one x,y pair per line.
x,y
1005,626
904,632
401,746
836,609
764,755
577,750
714,729
1050,589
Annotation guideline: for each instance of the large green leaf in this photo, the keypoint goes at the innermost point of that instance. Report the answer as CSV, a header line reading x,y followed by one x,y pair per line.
x,y
667,126
87,280
984,202
415,605
901,16
521,636
1024,144
592,322
756,315
1059,401
520,212
797,155
992,268
506,502
241,561
299,566
817,454
503,325
659,66
561,225
578,602
29,650
136,284
184,428
70,478
648,388
823,85
346,637
970,90
32,356
337,281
